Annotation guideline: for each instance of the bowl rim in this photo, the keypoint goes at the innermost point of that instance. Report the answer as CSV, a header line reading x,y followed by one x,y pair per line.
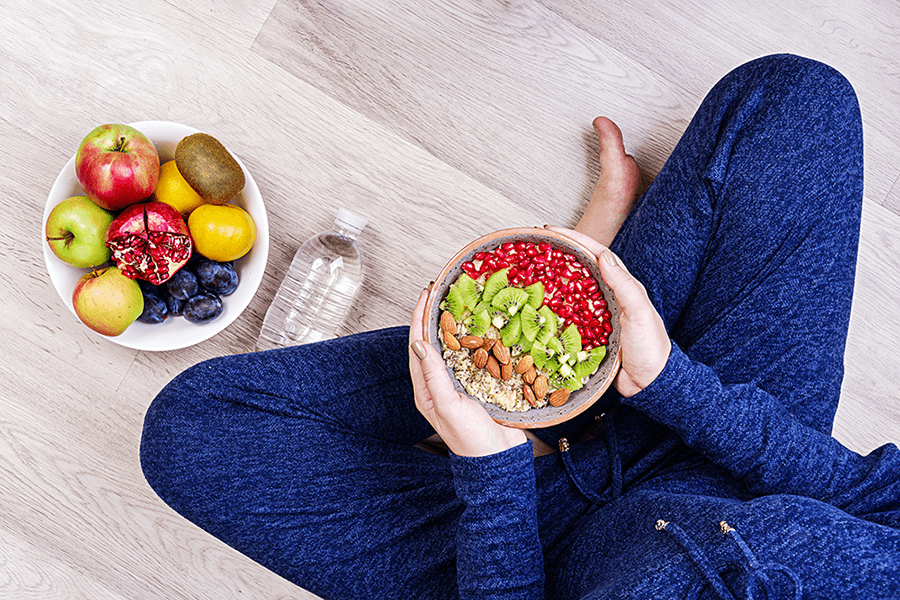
x,y
435,295
66,183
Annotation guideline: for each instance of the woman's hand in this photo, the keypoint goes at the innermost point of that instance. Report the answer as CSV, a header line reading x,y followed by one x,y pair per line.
x,y
645,342
460,421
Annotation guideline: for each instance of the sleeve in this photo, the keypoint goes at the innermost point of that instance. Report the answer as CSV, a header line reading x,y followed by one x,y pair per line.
x,y
499,553
750,433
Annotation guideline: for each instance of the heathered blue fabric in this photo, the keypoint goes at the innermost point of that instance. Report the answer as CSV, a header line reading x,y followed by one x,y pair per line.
x,y
304,458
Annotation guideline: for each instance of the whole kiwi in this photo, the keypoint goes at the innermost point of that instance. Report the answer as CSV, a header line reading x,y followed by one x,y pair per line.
x,y
208,167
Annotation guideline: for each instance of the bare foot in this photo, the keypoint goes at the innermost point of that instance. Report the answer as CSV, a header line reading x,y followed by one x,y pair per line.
x,y
617,189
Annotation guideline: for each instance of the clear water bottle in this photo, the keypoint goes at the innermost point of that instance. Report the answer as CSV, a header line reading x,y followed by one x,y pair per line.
x,y
318,289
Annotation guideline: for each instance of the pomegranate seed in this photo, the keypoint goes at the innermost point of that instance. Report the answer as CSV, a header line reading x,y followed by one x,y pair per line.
x,y
480,255
607,327
603,340
543,247
590,286
607,315
513,271
577,319
508,246
531,251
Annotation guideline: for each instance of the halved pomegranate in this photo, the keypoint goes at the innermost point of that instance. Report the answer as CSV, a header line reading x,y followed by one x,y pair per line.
x,y
149,241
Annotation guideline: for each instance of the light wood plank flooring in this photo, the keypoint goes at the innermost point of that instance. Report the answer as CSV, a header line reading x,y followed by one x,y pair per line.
x,y
414,113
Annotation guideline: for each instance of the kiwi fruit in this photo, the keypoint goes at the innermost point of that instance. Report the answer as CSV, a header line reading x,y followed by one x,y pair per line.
x,y
589,362
550,324
571,340
512,331
510,299
535,294
478,323
541,354
471,295
566,378
209,168
496,282
455,303
531,322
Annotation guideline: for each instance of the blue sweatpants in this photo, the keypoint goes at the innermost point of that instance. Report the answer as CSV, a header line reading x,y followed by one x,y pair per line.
x,y
719,480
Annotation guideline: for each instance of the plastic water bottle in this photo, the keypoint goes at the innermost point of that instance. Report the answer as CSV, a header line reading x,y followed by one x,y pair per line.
x,y
318,289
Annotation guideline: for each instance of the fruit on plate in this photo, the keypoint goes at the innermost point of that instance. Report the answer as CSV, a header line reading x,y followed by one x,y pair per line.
x,y
76,232
222,232
172,189
117,165
149,241
107,301
209,168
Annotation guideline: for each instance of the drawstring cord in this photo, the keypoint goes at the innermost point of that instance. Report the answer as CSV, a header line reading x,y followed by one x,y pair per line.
x,y
756,572
757,578
699,558
606,423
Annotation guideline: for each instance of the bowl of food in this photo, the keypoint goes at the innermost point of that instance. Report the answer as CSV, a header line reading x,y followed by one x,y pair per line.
x,y
526,325
68,266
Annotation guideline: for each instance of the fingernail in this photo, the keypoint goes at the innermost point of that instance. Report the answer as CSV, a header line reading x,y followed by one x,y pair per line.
x,y
418,349
610,258
430,285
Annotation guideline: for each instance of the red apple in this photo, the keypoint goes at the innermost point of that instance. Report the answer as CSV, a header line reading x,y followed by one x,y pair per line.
x,y
117,165
107,301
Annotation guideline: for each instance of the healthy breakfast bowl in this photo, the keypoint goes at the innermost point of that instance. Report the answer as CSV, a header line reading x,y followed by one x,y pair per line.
x,y
526,325
174,332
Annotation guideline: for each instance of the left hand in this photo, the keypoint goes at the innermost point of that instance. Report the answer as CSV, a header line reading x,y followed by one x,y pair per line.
x,y
461,422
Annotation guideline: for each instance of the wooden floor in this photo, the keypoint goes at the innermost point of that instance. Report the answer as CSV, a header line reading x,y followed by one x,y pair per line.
x,y
438,121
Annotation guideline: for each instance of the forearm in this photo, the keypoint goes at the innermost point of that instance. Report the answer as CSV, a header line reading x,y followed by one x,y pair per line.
x,y
750,433
498,548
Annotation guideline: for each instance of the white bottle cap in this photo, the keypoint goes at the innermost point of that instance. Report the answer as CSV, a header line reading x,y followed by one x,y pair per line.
x,y
351,220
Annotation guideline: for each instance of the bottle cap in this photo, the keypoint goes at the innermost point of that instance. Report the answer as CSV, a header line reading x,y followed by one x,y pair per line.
x,y
351,220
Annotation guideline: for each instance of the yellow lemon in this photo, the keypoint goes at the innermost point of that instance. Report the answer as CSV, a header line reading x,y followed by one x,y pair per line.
x,y
222,232
173,190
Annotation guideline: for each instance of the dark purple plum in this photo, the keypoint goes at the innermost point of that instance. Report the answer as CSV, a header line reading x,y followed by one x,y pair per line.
x,y
203,308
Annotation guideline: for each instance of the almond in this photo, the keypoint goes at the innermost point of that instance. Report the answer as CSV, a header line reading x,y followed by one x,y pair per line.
x,y
489,343
448,323
559,397
501,352
470,341
525,363
493,367
530,375
506,371
540,387
480,358
529,395
450,341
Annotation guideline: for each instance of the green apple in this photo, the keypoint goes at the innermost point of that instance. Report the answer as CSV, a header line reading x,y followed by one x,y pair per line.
x,y
76,232
107,301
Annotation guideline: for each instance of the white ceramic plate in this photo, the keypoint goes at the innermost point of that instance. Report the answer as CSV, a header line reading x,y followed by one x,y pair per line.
x,y
174,332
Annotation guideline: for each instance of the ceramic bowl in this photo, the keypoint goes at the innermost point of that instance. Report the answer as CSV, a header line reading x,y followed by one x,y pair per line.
x,y
174,332
599,382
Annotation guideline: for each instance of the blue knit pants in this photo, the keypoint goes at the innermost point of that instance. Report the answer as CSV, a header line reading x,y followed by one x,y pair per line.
x,y
305,458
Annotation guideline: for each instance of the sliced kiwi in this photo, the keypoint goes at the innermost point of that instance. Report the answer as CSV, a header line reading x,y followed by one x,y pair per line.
x,y
499,317
549,326
208,167
523,346
496,282
541,354
512,331
468,287
455,303
589,361
478,323
535,294
566,378
532,322
510,299
482,306
556,345
571,340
